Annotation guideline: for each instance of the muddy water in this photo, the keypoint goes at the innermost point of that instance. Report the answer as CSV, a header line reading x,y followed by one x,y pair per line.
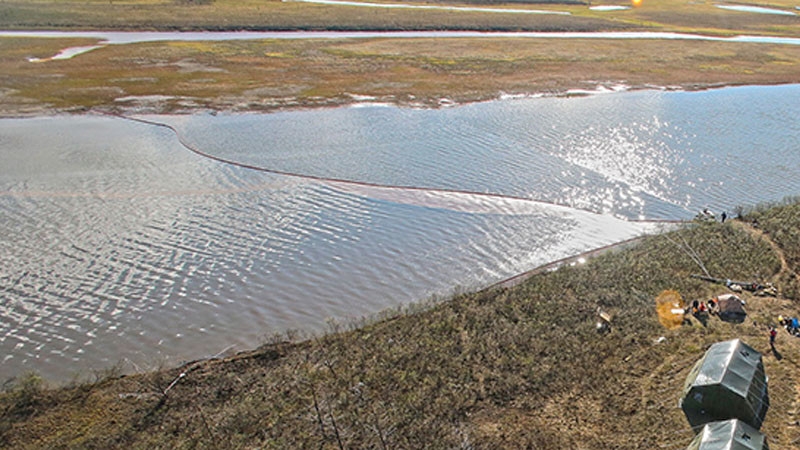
x,y
118,245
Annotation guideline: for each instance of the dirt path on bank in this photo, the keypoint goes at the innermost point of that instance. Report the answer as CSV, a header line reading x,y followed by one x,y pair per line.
x,y
761,234
783,360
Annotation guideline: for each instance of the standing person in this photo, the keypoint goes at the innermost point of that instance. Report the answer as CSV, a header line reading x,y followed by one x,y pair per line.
x,y
724,216
772,333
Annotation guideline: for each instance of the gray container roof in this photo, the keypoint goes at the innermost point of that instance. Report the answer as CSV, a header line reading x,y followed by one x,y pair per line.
x,y
728,382
729,435
733,364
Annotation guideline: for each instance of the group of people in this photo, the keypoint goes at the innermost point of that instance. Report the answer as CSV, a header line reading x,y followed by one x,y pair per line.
x,y
700,307
791,324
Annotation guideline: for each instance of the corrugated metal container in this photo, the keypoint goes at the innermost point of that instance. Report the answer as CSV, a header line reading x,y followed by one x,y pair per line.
x,y
729,435
727,383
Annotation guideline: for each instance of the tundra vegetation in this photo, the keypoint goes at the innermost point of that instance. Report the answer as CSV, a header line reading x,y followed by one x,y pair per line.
x,y
266,75
517,367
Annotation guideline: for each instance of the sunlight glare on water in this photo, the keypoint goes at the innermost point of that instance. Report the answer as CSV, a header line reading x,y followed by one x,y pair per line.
x,y
632,155
118,245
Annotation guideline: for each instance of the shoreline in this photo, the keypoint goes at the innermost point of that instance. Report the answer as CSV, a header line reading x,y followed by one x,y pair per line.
x,y
516,279
162,107
379,313
513,280
155,73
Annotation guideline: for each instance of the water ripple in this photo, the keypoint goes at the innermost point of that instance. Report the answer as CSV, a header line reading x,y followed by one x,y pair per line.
x,y
118,244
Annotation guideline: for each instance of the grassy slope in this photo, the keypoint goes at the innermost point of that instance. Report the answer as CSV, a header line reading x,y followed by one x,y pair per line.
x,y
510,368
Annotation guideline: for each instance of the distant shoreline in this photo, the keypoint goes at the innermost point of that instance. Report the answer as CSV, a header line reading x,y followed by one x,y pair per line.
x,y
163,107
268,72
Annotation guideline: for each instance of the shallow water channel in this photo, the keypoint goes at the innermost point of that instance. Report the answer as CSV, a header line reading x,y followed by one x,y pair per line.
x,y
119,245
131,37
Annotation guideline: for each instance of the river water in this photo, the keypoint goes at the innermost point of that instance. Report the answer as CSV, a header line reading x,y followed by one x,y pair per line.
x,y
118,245
131,37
